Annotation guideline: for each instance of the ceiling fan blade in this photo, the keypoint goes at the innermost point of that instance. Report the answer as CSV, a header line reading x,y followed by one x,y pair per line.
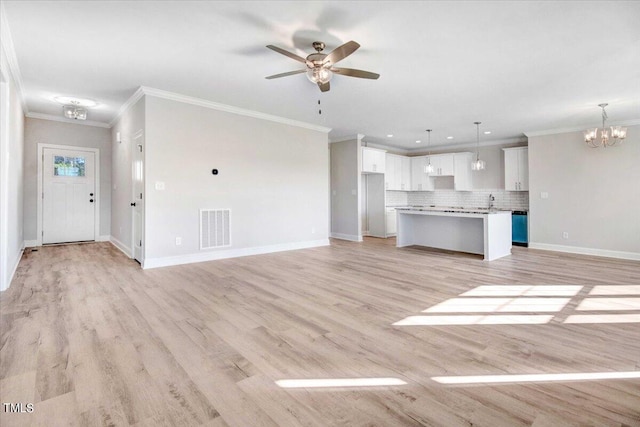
x,y
324,87
341,52
355,73
289,54
290,73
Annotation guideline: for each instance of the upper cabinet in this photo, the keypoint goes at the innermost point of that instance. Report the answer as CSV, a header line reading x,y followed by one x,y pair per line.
x,y
373,160
442,165
463,176
397,175
516,169
420,180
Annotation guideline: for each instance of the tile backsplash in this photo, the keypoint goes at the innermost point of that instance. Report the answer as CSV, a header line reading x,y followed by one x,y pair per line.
x,y
514,200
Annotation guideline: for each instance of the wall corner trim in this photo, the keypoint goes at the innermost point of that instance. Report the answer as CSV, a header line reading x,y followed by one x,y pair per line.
x,y
634,256
158,93
139,93
7,43
231,253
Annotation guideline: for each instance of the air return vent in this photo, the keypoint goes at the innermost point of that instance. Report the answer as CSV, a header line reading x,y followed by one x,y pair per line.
x,y
215,228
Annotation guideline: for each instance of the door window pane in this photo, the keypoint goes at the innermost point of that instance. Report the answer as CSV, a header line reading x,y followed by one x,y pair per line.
x,y
68,166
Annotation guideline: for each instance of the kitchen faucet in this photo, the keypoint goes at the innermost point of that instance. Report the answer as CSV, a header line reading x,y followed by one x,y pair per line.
x,y
491,200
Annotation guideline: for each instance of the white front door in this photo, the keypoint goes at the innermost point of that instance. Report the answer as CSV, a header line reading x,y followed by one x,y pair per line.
x,y
138,197
68,196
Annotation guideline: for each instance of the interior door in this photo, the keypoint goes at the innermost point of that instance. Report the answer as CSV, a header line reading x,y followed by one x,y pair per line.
x,y
138,197
68,196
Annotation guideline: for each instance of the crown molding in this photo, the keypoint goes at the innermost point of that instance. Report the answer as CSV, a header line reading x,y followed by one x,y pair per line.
x,y
139,93
65,120
158,93
632,122
354,137
12,61
445,147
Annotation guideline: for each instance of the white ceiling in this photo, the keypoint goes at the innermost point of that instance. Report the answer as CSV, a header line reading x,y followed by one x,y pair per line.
x,y
516,66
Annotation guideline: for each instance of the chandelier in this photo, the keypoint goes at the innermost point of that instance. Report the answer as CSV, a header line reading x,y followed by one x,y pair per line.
x,y
607,137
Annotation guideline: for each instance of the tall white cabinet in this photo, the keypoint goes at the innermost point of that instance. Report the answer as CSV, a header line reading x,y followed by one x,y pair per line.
x,y
516,169
397,173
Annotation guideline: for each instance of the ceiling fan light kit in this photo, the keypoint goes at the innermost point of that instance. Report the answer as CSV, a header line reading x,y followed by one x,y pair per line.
x,y
320,66
617,135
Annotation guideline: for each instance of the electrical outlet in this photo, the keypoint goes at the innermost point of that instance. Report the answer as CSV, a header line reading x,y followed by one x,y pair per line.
x,y
178,241
565,235
313,230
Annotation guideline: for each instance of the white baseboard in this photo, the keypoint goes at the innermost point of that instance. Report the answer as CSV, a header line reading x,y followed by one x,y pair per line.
x,y
351,237
121,246
230,253
106,238
635,256
12,270
30,243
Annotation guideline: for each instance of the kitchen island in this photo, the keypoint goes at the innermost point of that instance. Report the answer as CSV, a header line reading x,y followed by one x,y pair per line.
x,y
476,231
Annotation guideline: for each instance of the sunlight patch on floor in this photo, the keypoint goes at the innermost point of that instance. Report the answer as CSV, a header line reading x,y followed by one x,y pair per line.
x,y
339,382
526,378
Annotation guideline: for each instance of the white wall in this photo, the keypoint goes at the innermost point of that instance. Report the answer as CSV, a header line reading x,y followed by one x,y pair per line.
x,y
345,189
60,133
11,176
273,176
594,195
130,122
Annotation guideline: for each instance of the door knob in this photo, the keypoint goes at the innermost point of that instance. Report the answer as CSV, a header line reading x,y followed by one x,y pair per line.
x,y
91,200
133,204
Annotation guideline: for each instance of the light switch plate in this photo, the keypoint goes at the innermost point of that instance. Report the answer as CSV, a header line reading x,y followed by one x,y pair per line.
x,y
159,185
544,195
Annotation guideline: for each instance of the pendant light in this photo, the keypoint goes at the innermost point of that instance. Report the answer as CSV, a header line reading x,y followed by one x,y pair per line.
x,y
428,169
478,164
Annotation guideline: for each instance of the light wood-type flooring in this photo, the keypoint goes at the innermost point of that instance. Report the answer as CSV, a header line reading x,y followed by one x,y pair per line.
x,y
92,339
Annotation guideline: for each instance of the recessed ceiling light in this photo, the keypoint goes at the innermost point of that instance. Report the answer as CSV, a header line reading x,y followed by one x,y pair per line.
x,y
487,132
449,137
390,135
418,141
80,102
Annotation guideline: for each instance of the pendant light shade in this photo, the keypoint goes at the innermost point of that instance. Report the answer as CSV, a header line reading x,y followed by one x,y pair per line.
x,y
428,169
478,164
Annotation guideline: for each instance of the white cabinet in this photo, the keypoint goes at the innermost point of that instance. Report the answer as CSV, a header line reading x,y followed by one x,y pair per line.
x,y
463,177
405,177
443,165
390,180
516,169
420,181
397,173
391,221
373,160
